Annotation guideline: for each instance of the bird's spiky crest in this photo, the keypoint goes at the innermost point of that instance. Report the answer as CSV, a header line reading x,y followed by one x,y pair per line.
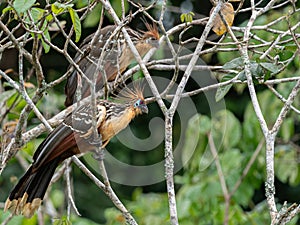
x,y
152,31
133,94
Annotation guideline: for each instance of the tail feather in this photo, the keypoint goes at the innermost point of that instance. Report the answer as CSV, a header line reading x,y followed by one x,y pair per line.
x,y
28,194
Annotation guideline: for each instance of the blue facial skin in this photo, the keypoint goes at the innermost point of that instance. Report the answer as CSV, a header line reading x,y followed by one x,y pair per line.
x,y
141,104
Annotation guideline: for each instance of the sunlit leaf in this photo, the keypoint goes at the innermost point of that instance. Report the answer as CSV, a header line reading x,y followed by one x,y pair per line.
x,y
57,7
37,13
187,17
23,5
182,17
76,23
6,9
49,18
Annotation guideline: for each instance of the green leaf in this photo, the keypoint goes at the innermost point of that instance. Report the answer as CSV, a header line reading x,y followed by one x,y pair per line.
x,y
195,136
227,129
45,45
256,70
22,5
57,197
55,9
285,55
292,48
63,221
271,67
49,18
235,63
242,76
138,75
244,193
6,9
93,17
222,91
182,17
81,3
58,8
187,17
36,14
193,130
287,129
118,7
233,169
76,23
199,124
287,167
4,96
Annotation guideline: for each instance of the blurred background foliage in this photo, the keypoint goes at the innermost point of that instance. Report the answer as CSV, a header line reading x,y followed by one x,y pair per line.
x,y
199,193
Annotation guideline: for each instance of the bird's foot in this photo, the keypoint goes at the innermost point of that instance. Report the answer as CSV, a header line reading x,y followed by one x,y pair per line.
x,y
96,141
99,154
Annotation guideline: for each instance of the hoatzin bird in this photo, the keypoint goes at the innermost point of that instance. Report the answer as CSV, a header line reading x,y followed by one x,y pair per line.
x,y
73,136
117,57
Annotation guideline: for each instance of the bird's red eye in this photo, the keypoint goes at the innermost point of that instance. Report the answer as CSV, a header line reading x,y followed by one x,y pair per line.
x,y
139,103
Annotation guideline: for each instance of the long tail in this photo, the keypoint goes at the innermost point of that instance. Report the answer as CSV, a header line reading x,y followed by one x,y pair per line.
x,y
28,194
68,139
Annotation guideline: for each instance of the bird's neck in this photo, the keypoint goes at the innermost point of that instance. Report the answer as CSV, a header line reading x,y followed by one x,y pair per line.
x,y
143,47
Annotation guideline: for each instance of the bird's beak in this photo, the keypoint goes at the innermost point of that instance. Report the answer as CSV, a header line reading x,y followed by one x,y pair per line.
x,y
144,109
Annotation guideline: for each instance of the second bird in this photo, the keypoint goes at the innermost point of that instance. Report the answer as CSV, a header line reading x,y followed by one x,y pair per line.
x,y
115,55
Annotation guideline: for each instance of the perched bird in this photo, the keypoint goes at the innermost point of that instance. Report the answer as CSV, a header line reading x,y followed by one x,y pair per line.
x,y
73,136
116,57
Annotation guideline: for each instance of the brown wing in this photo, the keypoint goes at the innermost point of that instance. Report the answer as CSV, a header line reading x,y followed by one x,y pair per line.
x,y
116,59
109,64
71,137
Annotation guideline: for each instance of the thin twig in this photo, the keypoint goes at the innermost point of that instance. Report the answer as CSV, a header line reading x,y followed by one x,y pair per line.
x,y
106,189
221,176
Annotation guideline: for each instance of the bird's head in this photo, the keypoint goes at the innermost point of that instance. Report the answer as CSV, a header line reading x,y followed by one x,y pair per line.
x,y
149,39
151,33
140,106
134,97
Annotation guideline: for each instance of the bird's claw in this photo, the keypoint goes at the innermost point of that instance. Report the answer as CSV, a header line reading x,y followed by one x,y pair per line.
x,y
96,141
98,155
